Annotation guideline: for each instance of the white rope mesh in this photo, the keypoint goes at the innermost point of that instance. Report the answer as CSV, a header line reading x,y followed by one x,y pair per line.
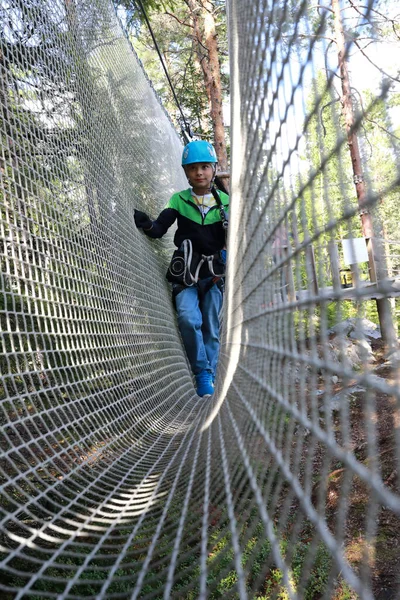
x,y
116,480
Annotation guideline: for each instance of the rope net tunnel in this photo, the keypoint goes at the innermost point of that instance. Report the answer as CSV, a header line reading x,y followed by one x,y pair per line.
x,y
117,481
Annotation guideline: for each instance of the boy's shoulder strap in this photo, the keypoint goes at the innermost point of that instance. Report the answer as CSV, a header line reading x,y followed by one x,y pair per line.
x,y
217,195
221,207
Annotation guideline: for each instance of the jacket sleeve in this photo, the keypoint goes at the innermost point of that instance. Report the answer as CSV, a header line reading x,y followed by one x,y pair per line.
x,y
163,222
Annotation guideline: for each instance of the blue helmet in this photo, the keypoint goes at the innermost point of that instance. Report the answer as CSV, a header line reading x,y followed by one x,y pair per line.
x,y
198,151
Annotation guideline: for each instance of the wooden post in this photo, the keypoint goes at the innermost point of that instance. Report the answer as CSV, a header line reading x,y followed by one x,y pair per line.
x,y
311,270
291,292
225,177
355,274
383,304
334,260
371,260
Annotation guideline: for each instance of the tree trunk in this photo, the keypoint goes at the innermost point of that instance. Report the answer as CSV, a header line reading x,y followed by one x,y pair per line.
x,y
206,39
199,60
84,99
383,305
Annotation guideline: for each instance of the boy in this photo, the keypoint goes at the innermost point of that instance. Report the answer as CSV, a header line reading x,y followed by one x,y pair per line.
x,y
198,265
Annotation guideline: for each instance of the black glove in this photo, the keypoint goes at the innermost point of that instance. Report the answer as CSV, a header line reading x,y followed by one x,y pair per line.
x,y
142,221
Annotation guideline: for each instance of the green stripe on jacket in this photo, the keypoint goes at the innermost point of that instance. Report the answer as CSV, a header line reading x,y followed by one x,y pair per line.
x,y
183,202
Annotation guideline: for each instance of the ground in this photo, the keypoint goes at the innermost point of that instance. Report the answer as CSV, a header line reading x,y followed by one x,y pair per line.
x,y
384,554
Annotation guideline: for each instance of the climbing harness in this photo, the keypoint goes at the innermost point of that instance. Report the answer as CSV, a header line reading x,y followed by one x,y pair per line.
x,y
186,264
222,211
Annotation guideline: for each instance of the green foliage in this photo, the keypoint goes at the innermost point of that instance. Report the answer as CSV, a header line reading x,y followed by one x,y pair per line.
x,y
135,8
57,191
381,164
256,556
173,30
331,190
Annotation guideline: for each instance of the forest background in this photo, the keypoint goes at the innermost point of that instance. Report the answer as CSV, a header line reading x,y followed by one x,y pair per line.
x,y
192,40
54,164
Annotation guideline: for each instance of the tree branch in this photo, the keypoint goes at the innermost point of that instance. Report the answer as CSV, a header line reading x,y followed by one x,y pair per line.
x,y
318,6
384,17
179,21
327,69
363,121
321,111
308,37
382,128
374,65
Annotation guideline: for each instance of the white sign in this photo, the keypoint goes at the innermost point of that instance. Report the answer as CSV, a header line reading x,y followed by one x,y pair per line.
x,y
354,251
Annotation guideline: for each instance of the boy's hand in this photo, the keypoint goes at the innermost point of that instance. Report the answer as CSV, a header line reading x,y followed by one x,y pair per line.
x,y
142,221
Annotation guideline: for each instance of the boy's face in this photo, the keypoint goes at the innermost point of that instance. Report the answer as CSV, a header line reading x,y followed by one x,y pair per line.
x,y
200,176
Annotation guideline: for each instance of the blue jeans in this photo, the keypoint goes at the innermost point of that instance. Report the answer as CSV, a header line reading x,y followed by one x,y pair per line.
x,y
199,324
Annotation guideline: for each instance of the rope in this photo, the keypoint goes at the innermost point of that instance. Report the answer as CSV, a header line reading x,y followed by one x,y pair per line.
x,y
187,130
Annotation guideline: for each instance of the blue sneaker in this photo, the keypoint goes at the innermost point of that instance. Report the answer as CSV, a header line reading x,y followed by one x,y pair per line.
x,y
204,382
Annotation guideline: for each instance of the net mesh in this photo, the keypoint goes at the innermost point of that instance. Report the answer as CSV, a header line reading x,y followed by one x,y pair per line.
x,y
116,480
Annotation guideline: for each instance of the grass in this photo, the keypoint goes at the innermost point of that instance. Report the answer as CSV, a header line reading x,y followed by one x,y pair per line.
x,y
264,581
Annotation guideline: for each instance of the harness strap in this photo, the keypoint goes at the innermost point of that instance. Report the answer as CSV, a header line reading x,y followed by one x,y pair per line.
x,y
222,212
188,257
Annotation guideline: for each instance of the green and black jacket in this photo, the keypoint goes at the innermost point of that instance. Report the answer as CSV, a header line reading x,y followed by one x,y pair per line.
x,y
206,233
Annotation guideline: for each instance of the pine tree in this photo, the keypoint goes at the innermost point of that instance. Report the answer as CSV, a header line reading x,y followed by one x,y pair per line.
x,y
191,35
